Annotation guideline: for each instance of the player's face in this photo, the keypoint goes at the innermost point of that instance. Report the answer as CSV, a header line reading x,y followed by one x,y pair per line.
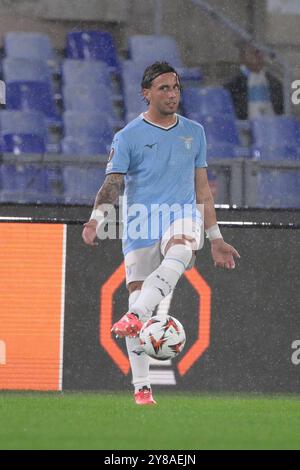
x,y
164,94
254,59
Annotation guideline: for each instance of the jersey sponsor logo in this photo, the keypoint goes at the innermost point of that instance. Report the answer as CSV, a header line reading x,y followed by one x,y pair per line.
x,y
187,141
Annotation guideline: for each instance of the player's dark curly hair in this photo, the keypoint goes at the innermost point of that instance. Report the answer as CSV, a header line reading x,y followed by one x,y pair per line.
x,y
153,71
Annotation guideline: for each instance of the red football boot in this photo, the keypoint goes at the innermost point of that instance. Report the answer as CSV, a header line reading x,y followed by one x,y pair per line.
x,y
128,325
144,397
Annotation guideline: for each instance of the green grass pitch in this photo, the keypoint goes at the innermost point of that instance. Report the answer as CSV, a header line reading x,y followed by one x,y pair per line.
x,y
178,421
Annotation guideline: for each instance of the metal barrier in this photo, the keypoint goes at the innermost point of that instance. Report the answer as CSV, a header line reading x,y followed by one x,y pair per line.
x,y
236,179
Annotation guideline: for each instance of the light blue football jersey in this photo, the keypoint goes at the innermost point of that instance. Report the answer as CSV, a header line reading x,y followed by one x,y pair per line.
x,y
159,167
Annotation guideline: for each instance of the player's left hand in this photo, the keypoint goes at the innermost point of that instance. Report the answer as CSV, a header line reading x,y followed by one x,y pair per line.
x,y
223,254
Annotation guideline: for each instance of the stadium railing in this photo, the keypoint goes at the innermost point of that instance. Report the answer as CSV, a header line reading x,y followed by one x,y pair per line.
x,y
235,181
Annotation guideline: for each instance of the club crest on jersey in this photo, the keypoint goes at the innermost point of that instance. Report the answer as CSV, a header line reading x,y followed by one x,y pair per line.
x,y
187,142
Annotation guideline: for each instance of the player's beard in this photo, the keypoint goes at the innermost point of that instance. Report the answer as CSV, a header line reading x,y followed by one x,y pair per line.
x,y
168,111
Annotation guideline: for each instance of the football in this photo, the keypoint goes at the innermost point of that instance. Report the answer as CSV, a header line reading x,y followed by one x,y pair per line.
x,y
162,337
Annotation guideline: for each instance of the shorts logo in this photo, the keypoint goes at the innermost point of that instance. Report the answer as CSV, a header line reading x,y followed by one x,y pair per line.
x,y
111,154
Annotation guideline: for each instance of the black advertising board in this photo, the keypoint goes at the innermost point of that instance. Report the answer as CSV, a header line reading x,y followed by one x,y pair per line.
x,y
240,325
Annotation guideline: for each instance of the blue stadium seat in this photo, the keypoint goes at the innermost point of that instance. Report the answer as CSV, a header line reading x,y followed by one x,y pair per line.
x,y
132,115
54,190
134,103
274,139
221,129
276,153
82,184
222,136
207,101
31,96
22,122
277,187
147,49
94,45
16,69
23,143
28,45
277,131
87,72
91,125
27,184
85,145
131,73
96,98
221,150
131,81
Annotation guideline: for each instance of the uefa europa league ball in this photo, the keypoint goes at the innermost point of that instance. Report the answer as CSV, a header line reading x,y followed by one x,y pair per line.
x,y
162,337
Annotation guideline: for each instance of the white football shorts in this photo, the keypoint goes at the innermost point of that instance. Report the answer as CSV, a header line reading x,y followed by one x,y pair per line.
x,y
142,262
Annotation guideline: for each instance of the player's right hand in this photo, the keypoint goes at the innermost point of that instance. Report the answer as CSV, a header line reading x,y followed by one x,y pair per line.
x,y
89,232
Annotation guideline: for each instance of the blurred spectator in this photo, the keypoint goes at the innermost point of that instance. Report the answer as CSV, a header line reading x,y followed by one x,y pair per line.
x,y
255,92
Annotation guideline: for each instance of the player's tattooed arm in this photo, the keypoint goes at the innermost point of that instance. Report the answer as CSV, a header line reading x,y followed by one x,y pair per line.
x,y
106,197
110,190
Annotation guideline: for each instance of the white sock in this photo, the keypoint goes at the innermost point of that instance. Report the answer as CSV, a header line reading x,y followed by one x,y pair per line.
x,y
162,281
139,361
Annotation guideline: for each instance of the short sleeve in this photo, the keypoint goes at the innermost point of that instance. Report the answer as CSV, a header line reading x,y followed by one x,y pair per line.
x,y
119,156
200,161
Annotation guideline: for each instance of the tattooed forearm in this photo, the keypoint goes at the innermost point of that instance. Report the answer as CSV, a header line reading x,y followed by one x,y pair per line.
x,y
110,190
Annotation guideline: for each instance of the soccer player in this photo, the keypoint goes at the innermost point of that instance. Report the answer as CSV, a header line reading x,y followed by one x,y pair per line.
x,y
161,157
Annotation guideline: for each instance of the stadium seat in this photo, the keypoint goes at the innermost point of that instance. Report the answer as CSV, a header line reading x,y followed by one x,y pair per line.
x,y
147,49
278,131
277,187
220,129
28,45
27,184
87,124
94,45
31,96
54,190
82,184
221,150
133,115
88,72
22,122
134,103
222,136
276,153
23,143
207,101
19,69
97,98
85,146
131,84
276,139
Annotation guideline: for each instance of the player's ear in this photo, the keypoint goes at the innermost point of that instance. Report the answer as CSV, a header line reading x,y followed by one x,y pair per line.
x,y
146,93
